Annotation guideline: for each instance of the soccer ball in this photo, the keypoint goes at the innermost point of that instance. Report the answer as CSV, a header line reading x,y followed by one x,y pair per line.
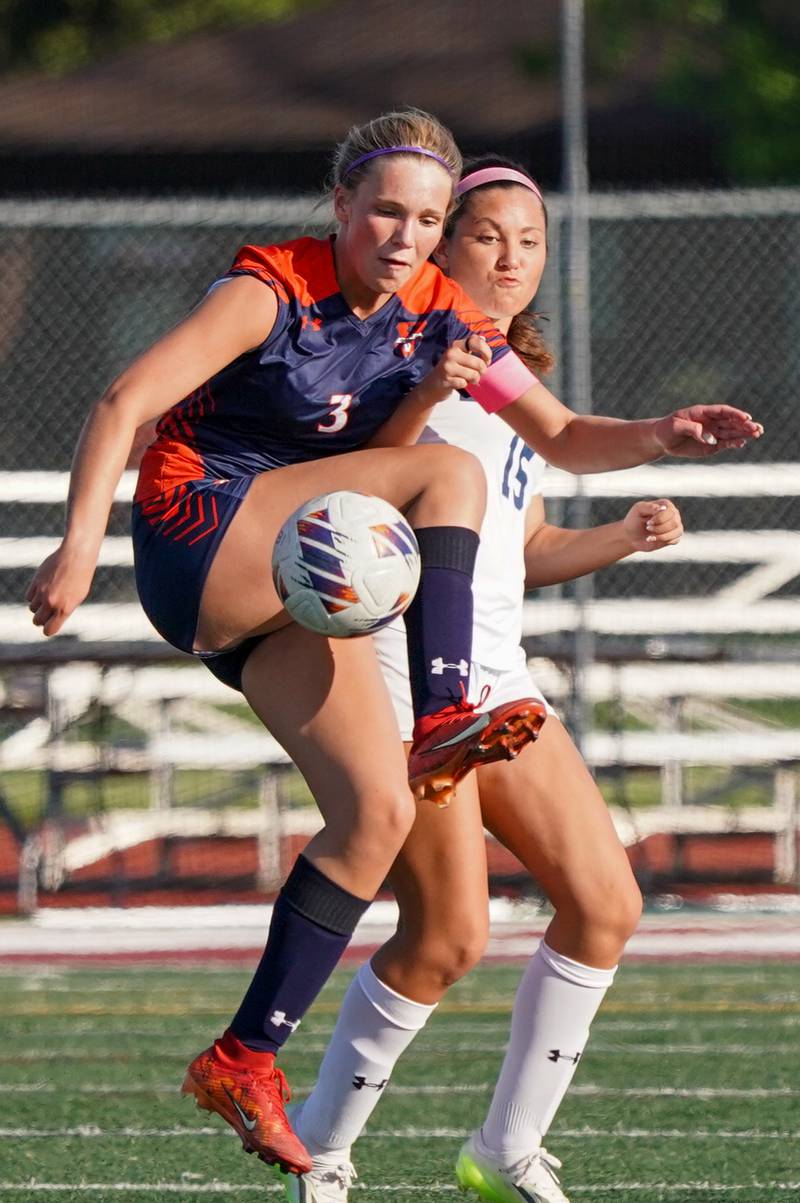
x,y
345,564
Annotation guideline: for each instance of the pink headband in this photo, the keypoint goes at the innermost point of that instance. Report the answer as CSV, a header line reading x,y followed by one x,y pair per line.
x,y
495,175
397,150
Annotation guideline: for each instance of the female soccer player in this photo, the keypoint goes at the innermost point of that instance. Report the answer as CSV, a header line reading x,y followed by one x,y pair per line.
x,y
544,807
293,361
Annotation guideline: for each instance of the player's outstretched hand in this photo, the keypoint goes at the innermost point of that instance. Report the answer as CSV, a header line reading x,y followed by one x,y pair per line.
x,y
58,587
653,524
703,430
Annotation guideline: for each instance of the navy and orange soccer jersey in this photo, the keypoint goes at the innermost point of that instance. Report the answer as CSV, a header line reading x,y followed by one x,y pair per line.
x,y
322,382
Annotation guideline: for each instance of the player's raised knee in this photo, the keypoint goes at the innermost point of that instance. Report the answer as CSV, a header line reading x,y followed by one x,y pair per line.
x,y
462,468
454,486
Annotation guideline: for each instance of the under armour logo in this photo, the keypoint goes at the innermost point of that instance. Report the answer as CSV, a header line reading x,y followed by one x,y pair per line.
x,y
359,1081
279,1018
315,323
439,665
556,1054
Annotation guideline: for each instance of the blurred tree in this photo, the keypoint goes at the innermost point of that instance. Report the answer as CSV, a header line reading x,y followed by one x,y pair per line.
x,y
59,36
735,61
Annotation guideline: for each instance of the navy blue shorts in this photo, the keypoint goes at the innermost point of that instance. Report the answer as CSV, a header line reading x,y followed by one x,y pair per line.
x,y
175,539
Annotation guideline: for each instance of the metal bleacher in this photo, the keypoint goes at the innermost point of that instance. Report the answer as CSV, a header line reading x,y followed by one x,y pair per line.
x,y
679,657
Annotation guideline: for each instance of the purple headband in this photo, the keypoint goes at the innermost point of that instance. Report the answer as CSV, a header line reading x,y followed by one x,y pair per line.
x,y
398,150
495,175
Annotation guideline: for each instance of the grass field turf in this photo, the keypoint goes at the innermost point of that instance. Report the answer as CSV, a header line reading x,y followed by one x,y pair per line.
x,y
690,1087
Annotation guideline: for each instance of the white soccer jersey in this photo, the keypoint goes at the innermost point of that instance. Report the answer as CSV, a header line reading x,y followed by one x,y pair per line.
x,y
513,476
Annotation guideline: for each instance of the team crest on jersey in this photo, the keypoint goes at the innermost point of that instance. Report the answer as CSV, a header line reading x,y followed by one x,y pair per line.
x,y
409,335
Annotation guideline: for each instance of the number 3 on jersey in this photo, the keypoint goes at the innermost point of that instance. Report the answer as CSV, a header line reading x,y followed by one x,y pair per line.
x,y
337,418
519,454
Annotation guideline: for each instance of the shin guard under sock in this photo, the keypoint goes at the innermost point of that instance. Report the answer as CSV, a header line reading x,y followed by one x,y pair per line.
x,y
439,619
312,922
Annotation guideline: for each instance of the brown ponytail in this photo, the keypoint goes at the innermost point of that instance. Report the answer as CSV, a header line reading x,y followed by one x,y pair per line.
x,y
526,339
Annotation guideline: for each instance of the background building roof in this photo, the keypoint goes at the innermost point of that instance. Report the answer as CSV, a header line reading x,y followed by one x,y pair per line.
x,y
216,104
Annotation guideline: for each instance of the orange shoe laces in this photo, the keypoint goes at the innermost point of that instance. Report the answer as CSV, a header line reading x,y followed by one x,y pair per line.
x,y
464,706
273,1079
283,1085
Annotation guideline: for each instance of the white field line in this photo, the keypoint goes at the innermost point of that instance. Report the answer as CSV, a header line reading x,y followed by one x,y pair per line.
x,y
432,1038
437,1035
228,1188
137,979
590,1089
787,1010
163,1188
87,1131
98,1052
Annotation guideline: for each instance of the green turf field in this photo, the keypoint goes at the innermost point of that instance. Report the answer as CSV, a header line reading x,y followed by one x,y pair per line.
x,y
690,1089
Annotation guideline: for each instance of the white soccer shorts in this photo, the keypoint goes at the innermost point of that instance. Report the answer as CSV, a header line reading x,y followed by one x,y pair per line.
x,y
505,684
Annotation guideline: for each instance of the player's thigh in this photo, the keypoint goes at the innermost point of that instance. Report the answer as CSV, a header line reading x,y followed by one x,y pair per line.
x,y
239,596
546,808
439,877
326,703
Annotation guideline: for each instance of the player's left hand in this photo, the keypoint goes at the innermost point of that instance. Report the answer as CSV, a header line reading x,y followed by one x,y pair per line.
x,y
703,430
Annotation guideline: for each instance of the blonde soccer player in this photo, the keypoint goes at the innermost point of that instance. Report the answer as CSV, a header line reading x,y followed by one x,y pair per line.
x,y
265,395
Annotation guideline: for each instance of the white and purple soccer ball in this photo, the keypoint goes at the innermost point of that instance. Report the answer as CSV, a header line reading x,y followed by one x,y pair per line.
x,y
345,564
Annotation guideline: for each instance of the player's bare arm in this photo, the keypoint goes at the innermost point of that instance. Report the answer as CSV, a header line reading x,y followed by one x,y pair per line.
x,y
232,319
591,443
462,364
554,554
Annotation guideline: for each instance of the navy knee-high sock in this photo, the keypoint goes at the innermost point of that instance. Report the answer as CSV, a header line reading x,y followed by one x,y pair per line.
x,y
312,922
439,619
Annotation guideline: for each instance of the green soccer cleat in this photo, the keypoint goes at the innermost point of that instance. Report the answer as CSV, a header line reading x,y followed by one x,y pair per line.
x,y
530,1180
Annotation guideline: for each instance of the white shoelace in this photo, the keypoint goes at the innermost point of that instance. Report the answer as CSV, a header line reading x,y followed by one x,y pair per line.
x,y
343,1175
522,1167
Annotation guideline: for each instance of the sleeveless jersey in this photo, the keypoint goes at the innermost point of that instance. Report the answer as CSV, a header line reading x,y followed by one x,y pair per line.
x,y
513,476
322,382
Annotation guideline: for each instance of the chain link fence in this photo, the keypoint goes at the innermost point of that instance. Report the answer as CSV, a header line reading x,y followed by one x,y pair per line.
x,y
697,299
694,297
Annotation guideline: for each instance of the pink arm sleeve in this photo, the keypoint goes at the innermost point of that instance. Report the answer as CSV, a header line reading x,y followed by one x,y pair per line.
x,y
503,382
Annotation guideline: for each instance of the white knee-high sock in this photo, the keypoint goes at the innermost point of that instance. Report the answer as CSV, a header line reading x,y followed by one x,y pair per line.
x,y
374,1027
555,1004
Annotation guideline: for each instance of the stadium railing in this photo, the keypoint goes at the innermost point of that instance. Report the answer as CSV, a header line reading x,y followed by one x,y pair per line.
x,y
705,625
114,662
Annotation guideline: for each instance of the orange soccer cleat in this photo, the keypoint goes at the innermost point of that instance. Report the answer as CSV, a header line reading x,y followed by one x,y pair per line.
x,y
448,744
249,1092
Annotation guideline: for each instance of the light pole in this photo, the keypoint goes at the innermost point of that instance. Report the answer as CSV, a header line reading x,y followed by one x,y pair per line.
x,y
575,187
